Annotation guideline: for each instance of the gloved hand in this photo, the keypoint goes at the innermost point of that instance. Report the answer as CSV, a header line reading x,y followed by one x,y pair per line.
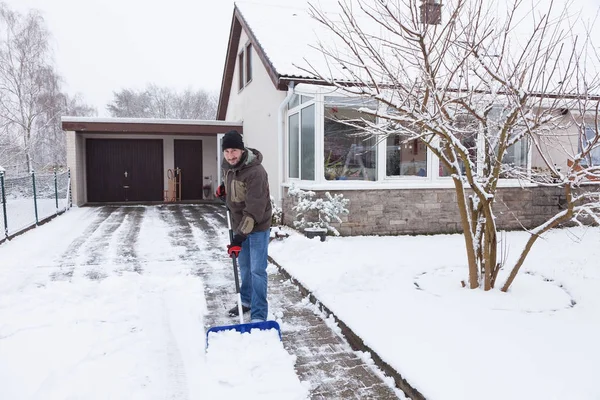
x,y
233,250
220,193
236,245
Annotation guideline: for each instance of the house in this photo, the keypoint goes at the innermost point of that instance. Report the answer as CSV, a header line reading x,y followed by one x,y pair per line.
x,y
292,117
393,187
117,160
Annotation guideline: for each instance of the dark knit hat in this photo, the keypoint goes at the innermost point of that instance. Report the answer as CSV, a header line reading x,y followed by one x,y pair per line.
x,y
232,140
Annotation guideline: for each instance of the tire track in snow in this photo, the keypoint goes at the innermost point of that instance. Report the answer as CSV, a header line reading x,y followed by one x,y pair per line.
x,y
127,239
210,233
69,259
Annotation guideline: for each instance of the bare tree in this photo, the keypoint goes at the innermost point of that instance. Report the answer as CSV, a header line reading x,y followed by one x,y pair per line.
x,y
24,75
31,97
476,85
161,102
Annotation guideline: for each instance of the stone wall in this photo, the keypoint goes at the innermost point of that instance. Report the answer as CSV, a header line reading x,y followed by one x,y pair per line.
x,y
430,211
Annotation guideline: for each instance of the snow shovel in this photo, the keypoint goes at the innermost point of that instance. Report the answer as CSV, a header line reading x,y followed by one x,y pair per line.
x,y
241,327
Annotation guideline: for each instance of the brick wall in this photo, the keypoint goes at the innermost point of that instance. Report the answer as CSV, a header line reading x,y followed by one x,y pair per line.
x,y
428,211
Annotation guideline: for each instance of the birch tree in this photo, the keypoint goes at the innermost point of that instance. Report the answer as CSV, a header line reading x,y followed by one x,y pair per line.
x,y
25,72
475,83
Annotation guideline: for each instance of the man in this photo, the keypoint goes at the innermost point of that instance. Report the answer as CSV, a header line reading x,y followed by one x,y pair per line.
x,y
246,189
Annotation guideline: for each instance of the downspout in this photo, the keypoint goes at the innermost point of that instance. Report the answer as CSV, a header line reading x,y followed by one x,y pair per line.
x,y
280,139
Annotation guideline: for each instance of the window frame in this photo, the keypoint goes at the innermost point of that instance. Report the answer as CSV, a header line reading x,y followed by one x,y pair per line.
x,y
297,110
248,64
244,66
580,143
241,69
432,179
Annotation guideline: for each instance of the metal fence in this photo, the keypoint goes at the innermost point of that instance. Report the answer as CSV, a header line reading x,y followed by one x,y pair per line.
x,y
28,200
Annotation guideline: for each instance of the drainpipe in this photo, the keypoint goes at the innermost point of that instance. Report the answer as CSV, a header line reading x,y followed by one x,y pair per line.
x,y
280,138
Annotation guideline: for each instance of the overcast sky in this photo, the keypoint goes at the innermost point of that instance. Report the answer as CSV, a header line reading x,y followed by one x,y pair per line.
x,y
101,46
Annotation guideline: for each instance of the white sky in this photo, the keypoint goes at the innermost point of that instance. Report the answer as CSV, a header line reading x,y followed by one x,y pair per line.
x,y
101,46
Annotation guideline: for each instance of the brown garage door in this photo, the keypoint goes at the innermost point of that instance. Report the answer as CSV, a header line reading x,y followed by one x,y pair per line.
x,y
188,158
121,170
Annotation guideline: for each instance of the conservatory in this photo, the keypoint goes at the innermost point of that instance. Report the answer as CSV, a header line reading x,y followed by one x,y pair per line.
x,y
326,147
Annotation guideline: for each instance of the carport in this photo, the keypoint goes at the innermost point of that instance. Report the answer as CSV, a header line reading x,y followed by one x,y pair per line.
x,y
125,160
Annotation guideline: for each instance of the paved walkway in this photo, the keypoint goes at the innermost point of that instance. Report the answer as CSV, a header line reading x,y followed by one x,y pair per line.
x,y
324,358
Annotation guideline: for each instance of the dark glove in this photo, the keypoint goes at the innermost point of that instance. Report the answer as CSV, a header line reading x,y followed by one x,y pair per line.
x,y
220,193
238,239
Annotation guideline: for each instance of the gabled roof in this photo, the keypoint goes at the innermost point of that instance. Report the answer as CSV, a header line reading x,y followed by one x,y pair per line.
x,y
286,38
282,36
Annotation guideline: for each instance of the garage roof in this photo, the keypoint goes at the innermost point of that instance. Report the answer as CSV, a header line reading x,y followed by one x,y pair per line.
x,y
149,126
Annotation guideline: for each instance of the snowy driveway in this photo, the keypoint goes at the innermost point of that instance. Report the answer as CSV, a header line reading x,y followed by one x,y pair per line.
x,y
127,328
111,302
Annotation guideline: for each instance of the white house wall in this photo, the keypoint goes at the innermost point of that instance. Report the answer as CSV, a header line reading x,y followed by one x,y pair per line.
x,y
557,145
257,105
76,164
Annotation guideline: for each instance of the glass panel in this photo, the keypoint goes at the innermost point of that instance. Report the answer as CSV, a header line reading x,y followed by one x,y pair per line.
x,y
294,101
470,129
516,155
349,154
248,63
307,140
594,155
304,99
294,145
405,158
241,70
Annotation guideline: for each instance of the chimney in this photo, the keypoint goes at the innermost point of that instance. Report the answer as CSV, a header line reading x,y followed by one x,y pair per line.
x,y
431,12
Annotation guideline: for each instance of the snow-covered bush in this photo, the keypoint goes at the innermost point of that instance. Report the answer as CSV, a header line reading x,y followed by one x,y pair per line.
x,y
316,212
277,216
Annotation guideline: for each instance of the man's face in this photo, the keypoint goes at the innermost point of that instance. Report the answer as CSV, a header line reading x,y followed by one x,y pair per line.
x,y
232,156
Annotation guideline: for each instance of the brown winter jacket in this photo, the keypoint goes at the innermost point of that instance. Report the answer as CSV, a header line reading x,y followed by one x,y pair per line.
x,y
248,197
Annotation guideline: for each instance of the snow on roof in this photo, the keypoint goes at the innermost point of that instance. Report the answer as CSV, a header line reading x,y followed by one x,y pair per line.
x,y
290,37
150,121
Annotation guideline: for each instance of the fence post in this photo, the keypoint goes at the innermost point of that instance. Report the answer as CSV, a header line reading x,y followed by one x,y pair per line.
x,y
56,190
3,202
69,195
35,198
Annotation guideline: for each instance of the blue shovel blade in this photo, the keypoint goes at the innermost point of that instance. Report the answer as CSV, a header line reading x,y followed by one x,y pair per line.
x,y
246,328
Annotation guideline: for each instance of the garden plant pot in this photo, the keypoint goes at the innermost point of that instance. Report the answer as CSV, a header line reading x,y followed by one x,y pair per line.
x,y
315,232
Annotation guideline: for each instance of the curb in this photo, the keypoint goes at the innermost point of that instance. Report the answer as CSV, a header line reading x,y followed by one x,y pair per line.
x,y
353,339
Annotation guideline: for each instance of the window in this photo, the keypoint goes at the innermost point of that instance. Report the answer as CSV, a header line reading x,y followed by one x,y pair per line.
x,y
241,70
301,143
593,158
327,142
516,156
248,63
245,66
405,158
470,131
349,154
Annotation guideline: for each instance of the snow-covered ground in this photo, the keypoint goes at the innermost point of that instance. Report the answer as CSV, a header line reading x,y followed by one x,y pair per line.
x,y
20,213
402,295
88,312
97,306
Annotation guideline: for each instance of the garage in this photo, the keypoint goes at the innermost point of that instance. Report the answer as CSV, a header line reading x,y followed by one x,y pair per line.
x,y
143,160
122,170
